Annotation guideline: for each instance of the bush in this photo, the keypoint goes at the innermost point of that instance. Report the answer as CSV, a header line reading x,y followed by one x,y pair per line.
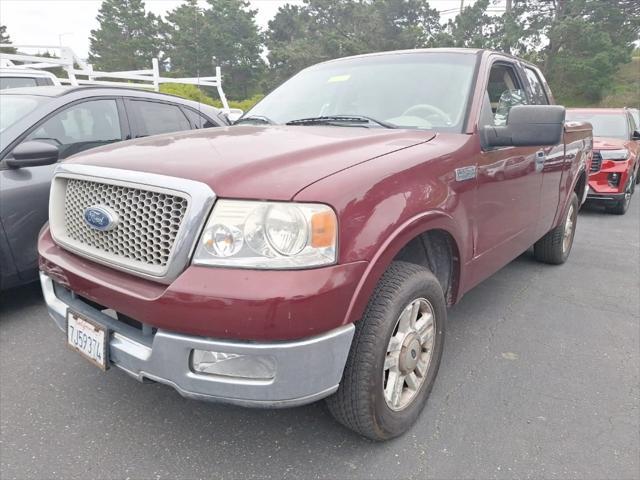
x,y
243,105
190,92
246,104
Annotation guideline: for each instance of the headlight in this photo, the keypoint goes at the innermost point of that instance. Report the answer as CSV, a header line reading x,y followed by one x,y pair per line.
x,y
622,154
268,235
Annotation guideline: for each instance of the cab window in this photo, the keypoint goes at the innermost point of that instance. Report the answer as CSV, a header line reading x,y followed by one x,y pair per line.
x,y
17,82
504,91
154,118
538,95
81,127
198,120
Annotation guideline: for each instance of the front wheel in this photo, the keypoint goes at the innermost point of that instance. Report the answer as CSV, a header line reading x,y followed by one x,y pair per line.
x,y
621,206
555,246
394,356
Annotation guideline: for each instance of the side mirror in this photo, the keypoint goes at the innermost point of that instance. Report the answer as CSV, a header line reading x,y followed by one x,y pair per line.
x,y
33,154
233,115
635,135
527,126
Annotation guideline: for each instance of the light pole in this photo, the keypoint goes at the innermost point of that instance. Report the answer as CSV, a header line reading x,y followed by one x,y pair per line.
x,y
60,35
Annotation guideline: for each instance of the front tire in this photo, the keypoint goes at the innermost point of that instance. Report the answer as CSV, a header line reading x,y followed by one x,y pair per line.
x,y
395,354
621,207
555,246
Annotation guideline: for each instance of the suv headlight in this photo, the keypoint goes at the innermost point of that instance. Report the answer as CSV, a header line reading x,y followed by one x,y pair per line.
x,y
622,154
268,235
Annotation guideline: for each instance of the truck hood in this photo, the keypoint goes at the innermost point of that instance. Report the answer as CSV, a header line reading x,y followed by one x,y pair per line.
x,y
270,162
607,143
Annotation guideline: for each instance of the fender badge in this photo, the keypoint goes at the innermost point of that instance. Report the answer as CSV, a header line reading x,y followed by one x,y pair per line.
x,y
465,173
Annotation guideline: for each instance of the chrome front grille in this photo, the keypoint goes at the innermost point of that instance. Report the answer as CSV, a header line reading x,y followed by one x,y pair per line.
x,y
596,162
148,221
157,218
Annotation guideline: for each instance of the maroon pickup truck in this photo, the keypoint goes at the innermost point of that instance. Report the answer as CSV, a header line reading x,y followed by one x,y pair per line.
x,y
312,249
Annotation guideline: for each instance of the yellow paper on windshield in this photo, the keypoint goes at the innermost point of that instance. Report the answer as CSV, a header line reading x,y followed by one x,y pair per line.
x,y
339,78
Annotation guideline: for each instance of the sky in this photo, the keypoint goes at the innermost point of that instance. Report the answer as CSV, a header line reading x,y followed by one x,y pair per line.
x,y
69,22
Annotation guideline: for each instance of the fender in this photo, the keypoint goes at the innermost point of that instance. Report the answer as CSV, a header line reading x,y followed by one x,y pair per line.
x,y
414,226
564,204
575,132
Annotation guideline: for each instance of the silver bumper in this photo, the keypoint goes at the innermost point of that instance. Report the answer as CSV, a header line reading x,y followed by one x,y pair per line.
x,y
305,370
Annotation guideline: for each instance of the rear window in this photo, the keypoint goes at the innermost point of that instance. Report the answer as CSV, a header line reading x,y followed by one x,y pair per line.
x,y
154,118
612,125
17,82
199,120
14,107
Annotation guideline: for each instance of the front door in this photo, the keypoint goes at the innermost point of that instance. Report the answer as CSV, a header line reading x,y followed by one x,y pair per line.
x,y
509,179
24,196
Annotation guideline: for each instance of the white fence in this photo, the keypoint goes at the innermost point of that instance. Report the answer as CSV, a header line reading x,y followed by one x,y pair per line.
x,y
81,73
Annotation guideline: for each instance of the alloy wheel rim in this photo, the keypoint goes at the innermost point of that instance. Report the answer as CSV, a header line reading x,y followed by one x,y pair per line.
x,y
568,229
409,354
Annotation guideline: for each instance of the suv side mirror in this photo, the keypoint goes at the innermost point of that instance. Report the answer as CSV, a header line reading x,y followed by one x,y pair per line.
x,y
527,126
33,154
635,135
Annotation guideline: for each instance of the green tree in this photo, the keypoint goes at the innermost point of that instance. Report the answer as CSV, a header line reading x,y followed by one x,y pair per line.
x,y
223,34
4,38
184,40
300,35
578,43
472,28
127,38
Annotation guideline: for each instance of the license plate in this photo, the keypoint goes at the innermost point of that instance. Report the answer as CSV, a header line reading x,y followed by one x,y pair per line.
x,y
88,338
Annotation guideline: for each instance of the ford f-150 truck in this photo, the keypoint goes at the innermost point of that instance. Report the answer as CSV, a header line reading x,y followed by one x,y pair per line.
x,y
312,249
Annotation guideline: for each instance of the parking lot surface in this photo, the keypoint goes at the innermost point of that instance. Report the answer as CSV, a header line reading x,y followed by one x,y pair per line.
x,y
540,378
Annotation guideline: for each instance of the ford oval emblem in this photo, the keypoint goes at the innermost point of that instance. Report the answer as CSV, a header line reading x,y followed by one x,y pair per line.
x,y
101,218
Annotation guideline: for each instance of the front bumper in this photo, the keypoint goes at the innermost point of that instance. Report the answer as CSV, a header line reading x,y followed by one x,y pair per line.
x,y
306,370
224,303
606,197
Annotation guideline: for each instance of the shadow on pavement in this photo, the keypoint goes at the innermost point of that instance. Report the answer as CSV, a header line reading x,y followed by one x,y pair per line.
x,y
17,298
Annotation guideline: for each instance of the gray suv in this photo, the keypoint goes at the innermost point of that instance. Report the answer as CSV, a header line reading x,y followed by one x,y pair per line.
x,y
40,126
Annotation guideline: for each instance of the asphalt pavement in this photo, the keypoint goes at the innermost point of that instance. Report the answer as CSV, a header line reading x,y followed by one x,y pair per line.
x,y
540,378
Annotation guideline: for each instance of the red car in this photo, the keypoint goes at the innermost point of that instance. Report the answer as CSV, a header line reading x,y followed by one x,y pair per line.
x,y
615,168
352,206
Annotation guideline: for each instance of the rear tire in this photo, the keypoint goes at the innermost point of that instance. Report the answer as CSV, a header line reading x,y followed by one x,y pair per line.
x,y
554,248
395,354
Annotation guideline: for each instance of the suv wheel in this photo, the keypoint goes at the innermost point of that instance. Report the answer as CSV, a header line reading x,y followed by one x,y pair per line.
x,y
621,207
555,246
394,356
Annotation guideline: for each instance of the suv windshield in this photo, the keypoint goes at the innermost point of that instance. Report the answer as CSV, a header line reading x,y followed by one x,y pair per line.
x,y
612,125
412,90
14,107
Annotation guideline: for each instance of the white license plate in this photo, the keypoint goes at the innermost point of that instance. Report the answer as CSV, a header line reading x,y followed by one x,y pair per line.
x,y
88,338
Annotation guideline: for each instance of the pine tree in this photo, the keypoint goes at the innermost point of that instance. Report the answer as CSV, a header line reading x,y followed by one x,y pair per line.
x,y
224,33
127,38
4,38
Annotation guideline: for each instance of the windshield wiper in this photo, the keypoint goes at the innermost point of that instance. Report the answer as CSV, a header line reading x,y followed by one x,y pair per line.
x,y
255,118
332,119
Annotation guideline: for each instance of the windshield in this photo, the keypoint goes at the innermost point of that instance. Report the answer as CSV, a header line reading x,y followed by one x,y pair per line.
x,y
14,107
612,125
416,90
